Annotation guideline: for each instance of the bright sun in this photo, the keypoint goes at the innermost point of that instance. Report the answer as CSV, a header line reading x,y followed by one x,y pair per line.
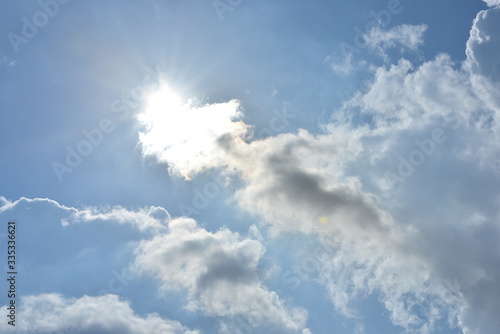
x,y
184,134
158,103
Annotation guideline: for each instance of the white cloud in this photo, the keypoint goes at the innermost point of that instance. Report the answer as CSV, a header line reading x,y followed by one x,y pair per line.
x,y
483,45
151,218
148,218
483,62
8,204
405,37
425,245
402,38
402,96
492,3
53,313
219,271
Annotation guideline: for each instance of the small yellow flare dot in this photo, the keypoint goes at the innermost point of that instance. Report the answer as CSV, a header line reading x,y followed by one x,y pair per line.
x,y
323,220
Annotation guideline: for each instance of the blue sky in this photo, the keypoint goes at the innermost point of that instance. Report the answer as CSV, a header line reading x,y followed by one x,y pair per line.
x,y
251,167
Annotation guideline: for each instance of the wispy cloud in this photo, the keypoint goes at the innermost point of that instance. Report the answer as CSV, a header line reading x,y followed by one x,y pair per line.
x,y
404,37
342,64
149,218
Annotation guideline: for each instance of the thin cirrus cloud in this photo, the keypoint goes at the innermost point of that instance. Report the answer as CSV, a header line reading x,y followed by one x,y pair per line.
x,y
411,198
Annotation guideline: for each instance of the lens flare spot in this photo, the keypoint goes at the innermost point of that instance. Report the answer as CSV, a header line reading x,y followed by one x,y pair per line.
x,y
323,220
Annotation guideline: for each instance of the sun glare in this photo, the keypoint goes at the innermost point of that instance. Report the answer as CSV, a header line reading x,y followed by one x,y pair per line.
x,y
185,135
158,103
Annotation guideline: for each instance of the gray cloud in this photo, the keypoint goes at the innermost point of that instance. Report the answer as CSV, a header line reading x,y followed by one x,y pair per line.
x,y
219,272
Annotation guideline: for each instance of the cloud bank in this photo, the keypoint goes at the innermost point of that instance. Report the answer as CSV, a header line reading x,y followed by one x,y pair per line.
x,y
53,313
403,183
